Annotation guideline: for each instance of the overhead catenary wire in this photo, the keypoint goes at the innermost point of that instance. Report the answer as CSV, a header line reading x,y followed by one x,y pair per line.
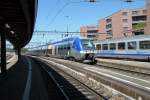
x,y
65,5
59,11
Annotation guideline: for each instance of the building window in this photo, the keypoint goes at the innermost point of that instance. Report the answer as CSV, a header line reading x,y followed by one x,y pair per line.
x,y
109,32
132,45
121,46
91,36
98,47
125,20
105,46
108,26
108,20
139,18
125,13
135,12
112,46
145,44
144,11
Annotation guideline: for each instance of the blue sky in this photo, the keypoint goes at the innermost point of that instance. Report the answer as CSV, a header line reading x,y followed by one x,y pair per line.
x,y
83,13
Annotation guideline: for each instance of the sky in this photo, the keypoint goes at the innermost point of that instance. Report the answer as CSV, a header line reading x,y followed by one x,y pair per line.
x,y
63,15
79,13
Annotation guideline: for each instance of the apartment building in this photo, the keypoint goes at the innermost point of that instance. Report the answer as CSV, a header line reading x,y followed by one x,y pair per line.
x,y
123,23
147,28
126,22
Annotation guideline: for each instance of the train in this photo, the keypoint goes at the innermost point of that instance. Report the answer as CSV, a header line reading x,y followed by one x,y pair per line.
x,y
73,48
134,47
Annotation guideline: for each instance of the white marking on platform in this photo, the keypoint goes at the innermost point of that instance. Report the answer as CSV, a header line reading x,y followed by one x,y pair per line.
x,y
28,84
125,81
12,61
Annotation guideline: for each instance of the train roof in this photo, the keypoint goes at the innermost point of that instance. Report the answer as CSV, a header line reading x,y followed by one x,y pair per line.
x,y
138,37
67,39
64,40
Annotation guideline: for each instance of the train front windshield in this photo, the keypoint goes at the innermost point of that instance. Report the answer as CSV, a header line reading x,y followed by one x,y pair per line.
x,y
87,44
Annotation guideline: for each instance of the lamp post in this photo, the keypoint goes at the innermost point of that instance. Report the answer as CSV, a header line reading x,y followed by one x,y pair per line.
x,y
67,26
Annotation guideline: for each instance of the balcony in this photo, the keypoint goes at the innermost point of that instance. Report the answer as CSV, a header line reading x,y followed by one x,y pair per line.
x,y
91,35
138,19
92,27
141,21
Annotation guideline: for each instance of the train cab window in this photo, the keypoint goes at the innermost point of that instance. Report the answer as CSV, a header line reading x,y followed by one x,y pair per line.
x,y
74,45
121,46
112,46
87,44
105,46
144,44
132,45
98,47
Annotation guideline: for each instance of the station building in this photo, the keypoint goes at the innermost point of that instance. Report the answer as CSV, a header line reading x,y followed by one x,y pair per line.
x,y
126,22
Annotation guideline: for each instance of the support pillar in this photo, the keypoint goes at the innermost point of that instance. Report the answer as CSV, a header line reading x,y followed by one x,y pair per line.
x,y
3,52
19,53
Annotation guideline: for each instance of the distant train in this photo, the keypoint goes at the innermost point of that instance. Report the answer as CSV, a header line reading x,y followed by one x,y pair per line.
x,y
136,47
74,48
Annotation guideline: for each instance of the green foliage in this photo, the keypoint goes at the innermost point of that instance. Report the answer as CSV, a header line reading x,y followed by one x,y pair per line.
x,y
139,26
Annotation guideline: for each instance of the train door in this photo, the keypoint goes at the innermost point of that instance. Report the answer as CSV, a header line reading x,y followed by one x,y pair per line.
x,y
56,50
53,50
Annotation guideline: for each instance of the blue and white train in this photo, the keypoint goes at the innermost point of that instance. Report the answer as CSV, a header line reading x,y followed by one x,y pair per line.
x,y
74,48
135,47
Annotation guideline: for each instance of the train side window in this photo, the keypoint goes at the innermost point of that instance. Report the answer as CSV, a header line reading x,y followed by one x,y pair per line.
x,y
144,44
59,47
68,48
112,46
121,46
105,46
64,46
98,47
132,45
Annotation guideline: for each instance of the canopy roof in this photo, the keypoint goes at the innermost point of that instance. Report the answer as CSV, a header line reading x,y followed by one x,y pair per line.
x,y
17,18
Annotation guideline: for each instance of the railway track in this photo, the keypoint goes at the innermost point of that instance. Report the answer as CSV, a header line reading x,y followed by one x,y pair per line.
x,y
70,87
130,89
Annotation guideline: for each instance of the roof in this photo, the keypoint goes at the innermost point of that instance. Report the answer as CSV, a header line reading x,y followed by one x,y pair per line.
x,y
64,40
17,20
121,10
138,37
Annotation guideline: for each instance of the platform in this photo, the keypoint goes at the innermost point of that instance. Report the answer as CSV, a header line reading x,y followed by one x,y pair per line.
x,y
136,66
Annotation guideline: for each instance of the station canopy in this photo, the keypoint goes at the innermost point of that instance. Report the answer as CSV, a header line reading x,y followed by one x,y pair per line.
x,y
17,19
